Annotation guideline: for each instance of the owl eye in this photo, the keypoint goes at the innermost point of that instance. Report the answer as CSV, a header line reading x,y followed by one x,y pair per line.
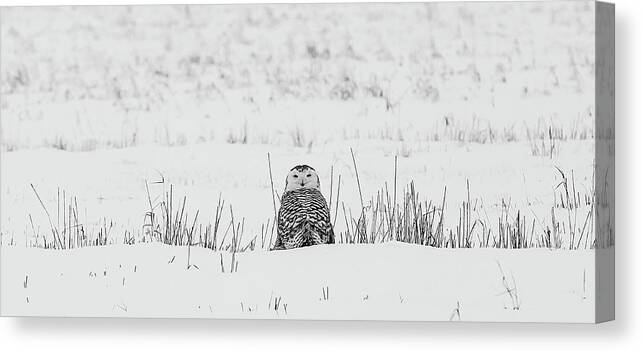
x,y
309,175
295,176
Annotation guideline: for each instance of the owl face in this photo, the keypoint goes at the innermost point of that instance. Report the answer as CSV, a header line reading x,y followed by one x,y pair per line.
x,y
300,177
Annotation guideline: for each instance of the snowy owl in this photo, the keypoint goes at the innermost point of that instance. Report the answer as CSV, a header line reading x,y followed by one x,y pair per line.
x,y
304,217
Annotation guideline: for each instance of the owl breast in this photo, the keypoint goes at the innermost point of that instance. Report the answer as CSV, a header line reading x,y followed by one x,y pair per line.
x,y
303,220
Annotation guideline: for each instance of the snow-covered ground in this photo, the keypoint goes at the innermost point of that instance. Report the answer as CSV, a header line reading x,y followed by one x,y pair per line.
x,y
86,78
491,103
389,281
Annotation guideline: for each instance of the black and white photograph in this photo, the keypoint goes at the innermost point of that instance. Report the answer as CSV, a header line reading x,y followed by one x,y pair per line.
x,y
438,161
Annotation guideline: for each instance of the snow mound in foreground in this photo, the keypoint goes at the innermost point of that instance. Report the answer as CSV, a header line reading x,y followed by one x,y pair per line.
x,y
391,281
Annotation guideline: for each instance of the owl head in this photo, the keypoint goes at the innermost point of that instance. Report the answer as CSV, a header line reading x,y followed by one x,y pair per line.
x,y
300,177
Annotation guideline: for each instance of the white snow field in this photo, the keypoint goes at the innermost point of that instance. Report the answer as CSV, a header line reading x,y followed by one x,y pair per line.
x,y
394,281
486,109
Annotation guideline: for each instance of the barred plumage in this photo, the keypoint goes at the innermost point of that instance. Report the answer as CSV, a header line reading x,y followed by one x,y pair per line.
x,y
304,216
